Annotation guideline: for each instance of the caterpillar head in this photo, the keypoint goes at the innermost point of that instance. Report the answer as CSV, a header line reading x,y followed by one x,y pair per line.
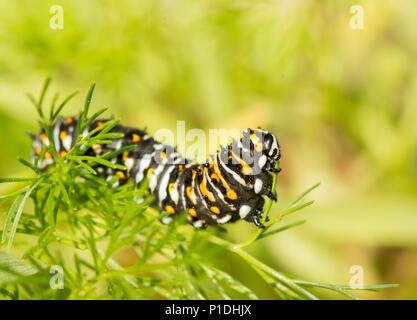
x,y
266,143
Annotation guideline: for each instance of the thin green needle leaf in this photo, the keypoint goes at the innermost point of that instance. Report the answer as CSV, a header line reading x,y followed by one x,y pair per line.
x,y
103,128
98,141
64,192
29,165
86,166
50,208
114,135
111,155
229,281
301,196
100,161
11,195
32,99
345,287
43,93
95,116
109,125
6,180
288,226
80,125
284,292
211,276
287,212
62,105
87,104
12,269
10,215
53,103
19,212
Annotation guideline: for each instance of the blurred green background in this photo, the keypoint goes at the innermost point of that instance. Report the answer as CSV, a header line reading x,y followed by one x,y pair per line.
x,y
342,101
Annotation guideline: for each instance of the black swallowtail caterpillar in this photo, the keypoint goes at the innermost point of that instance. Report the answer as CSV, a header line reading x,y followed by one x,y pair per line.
x,y
228,188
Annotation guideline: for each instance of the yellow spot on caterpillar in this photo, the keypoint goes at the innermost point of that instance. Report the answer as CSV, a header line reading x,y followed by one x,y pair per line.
x,y
68,120
203,188
219,174
209,196
150,170
62,153
170,209
171,187
125,155
99,124
180,167
121,174
191,195
246,169
215,177
37,150
231,194
189,191
62,135
43,137
135,137
192,212
215,210
48,155
259,147
163,155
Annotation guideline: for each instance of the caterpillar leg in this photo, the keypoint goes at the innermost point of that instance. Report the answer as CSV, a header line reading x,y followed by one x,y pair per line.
x,y
270,167
258,223
263,186
200,224
272,196
256,213
197,223
258,216
167,220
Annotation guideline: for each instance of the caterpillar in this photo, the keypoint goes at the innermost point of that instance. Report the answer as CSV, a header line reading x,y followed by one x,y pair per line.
x,y
229,187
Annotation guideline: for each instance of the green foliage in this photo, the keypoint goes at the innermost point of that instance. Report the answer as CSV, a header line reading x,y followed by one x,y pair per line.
x,y
80,222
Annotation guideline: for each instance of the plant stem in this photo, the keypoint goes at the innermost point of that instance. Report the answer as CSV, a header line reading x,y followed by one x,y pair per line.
x,y
258,265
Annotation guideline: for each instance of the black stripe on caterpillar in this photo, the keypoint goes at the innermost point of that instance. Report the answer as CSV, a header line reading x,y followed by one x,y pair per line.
x,y
229,187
